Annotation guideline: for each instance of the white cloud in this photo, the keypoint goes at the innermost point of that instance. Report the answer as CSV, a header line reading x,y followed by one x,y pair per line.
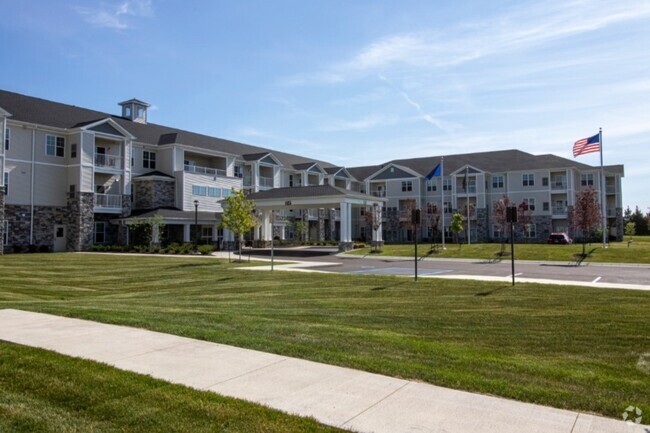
x,y
368,122
115,16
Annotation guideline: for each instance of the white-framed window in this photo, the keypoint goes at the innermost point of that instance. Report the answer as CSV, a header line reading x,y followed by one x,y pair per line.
x,y
447,207
73,150
446,184
528,179
239,171
206,234
54,145
432,185
226,192
6,183
148,159
199,190
127,111
7,136
587,179
497,182
530,202
291,180
100,232
545,181
531,231
214,192
407,185
5,233
546,206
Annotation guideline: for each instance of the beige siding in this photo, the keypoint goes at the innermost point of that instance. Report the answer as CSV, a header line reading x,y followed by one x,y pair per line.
x,y
21,143
206,203
50,185
136,168
20,174
88,147
164,160
87,183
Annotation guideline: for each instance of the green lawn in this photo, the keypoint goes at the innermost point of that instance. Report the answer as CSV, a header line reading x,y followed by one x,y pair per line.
x,y
569,347
43,392
617,252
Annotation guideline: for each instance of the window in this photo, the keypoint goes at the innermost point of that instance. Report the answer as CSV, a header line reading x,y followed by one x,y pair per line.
x,y
5,233
362,212
239,171
447,207
530,202
7,133
140,111
531,231
587,179
407,185
214,192
226,192
148,159
132,156
291,180
206,234
528,179
496,231
73,150
432,185
497,182
545,181
6,183
54,145
100,232
446,184
199,190
546,206
127,111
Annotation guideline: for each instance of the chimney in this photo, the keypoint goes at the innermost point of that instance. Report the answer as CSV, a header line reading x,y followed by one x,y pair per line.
x,y
135,110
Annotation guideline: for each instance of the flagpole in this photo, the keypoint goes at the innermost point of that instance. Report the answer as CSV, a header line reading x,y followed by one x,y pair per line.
x,y
603,193
469,223
442,190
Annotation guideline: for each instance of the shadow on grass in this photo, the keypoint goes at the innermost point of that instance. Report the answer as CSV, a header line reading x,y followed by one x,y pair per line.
x,y
491,292
380,288
192,265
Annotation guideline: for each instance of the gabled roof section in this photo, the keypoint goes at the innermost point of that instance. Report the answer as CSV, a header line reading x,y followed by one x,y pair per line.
x,y
4,112
107,126
393,171
312,167
339,172
154,174
134,101
469,168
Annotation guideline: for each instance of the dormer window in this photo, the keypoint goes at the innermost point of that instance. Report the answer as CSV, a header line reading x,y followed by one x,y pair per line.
x,y
127,111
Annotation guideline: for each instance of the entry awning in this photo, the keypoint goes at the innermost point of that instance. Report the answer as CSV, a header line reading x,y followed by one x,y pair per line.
x,y
315,196
172,216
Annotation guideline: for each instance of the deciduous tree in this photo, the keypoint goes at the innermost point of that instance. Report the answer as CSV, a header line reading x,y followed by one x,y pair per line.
x,y
586,214
238,215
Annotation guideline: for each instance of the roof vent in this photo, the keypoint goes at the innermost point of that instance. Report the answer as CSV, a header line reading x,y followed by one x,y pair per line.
x,y
135,110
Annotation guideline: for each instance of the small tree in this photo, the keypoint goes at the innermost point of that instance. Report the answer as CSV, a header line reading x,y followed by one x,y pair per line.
x,y
456,226
238,215
372,219
500,216
586,214
630,230
300,227
524,218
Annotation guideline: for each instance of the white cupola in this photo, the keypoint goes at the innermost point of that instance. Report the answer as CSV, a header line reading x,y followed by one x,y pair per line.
x,y
135,110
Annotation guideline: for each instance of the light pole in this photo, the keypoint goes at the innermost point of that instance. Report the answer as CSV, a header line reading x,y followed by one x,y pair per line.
x,y
196,222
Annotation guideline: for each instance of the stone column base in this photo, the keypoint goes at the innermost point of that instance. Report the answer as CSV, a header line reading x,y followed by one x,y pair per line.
x,y
346,246
261,244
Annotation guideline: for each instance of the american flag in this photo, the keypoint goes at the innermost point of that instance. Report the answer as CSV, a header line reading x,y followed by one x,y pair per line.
x,y
586,145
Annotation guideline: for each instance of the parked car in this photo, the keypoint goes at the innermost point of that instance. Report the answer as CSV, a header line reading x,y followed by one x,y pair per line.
x,y
559,238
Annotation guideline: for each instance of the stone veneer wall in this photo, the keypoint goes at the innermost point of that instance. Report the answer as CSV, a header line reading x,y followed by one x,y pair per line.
x,y
45,218
620,224
81,223
482,225
321,225
151,194
2,219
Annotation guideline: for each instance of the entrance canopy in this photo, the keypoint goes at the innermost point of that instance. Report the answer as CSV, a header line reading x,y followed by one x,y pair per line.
x,y
314,197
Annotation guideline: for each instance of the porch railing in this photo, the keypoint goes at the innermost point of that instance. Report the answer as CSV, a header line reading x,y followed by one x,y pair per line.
x,y
204,170
108,201
109,161
266,182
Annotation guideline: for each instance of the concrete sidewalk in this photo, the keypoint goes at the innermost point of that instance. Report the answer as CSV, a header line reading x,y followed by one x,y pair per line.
x,y
337,396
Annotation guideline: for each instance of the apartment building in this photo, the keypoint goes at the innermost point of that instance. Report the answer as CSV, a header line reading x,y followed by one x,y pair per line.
x,y
74,177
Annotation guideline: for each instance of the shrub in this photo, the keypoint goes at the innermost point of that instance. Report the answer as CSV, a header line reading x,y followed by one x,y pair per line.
x,y
205,249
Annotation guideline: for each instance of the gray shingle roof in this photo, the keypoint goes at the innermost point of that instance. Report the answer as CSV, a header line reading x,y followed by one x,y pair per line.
x,y
306,191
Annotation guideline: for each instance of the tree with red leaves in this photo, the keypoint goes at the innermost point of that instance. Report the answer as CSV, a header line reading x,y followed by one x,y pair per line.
x,y
586,215
524,218
499,214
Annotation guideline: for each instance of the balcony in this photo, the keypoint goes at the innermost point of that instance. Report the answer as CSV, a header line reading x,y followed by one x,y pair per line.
x,y
188,168
558,185
611,213
110,162
379,193
266,182
610,189
108,203
559,211
312,214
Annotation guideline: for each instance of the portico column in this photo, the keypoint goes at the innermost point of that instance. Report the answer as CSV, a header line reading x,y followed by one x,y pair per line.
x,y
266,225
346,222
186,233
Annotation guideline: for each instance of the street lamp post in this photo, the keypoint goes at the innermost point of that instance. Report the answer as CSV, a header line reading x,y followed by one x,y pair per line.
x,y
196,222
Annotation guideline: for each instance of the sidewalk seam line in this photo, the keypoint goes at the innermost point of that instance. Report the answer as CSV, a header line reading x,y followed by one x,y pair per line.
x,y
248,372
375,404
575,422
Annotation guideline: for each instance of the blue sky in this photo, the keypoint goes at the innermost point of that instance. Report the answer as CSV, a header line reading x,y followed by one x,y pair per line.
x,y
354,82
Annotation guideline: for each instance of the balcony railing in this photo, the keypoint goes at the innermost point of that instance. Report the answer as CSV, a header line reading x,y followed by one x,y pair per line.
x,y
204,170
248,180
611,213
558,185
266,182
312,213
108,161
559,211
108,201
610,189
379,193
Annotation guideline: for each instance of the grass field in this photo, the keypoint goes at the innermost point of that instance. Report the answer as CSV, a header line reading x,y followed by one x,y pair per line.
x,y
569,347
43,392
617,252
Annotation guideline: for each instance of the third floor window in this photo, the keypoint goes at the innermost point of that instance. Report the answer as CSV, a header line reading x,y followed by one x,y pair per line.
x,y
407,185
148,159
54,145
528,179
497,182
587,179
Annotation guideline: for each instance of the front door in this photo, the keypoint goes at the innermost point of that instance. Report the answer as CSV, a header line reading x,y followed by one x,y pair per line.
x,y
59,239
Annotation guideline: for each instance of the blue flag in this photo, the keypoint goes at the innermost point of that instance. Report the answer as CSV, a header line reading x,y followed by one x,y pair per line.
x,y
435,172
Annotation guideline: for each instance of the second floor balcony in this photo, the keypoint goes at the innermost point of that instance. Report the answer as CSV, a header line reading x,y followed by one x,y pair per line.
x,y
265,182
108,203
559,211
208,171
558,185
110,162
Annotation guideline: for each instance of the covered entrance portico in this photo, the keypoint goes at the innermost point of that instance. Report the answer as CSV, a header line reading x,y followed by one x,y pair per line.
x,y
314,197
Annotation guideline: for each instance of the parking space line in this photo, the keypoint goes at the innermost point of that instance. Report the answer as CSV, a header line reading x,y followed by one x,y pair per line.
x,y
596,280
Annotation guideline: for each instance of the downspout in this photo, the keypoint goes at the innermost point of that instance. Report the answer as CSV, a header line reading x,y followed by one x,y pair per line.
x,y
31,192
